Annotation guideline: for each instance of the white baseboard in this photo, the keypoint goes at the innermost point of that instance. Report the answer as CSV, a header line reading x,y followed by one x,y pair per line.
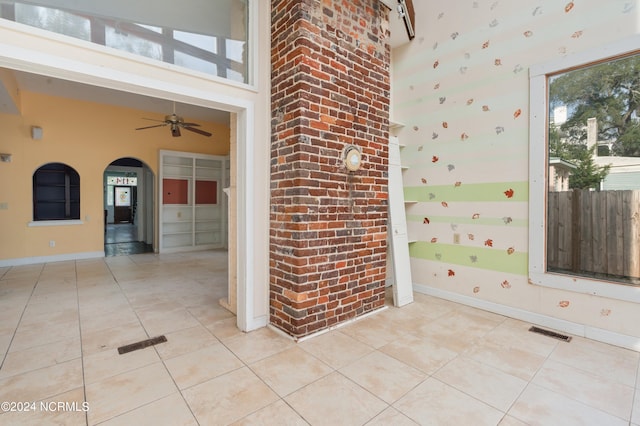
x,y
582,330
48,259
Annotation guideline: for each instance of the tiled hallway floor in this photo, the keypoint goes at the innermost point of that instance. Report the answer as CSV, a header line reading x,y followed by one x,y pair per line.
x,y
431,362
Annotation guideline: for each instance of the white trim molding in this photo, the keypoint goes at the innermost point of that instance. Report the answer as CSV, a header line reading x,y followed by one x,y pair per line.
x,y
538,85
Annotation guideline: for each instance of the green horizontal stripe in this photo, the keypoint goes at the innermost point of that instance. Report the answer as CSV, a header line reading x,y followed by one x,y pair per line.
x,y
468,192
491,221
485,258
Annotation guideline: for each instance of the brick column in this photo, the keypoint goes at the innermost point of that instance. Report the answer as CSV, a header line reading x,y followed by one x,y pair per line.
x,y
328,226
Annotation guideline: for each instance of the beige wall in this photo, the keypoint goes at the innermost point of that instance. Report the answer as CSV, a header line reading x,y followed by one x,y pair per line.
x,y
461,88
88,137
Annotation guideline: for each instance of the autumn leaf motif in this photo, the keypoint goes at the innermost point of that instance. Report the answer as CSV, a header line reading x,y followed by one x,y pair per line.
x,y
444,204
510,250
485,44
434,240
469,101
434,135
473,258
517,113
457,184
485,108
509,193
426,221
432,195
568,7
488,242
434,159
528,33
505,284
475,216
507,220
416,128
464,137
450,167
497,62
423,180
577,34
445,124
437,86
451,273
605,312
476,289
439,256
564,303
499,130
471,237
435,64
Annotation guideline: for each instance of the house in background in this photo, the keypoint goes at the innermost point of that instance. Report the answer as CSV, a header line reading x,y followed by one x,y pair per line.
x,y
559,174
306,234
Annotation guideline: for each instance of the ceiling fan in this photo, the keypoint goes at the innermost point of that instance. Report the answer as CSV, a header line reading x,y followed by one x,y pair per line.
x,y
176,123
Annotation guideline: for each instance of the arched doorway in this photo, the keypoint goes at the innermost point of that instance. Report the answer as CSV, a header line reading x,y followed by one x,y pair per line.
x,y
128,207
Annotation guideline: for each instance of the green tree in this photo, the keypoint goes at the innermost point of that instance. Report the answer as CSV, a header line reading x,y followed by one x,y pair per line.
x,y
586,175
610,92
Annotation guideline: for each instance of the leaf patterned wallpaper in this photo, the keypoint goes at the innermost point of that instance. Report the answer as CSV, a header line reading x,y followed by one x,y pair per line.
x,y
461,91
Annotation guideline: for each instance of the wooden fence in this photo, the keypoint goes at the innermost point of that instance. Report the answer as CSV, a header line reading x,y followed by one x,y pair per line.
x,y
594,233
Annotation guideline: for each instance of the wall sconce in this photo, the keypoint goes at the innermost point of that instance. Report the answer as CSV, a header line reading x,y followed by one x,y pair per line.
x,y
352,158
5,158
36,133
407,14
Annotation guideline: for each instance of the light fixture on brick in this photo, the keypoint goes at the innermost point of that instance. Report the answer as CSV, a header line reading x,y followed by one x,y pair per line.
x,y
352,158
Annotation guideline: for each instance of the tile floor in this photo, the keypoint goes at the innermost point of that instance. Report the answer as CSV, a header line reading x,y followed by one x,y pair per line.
x,y
431,362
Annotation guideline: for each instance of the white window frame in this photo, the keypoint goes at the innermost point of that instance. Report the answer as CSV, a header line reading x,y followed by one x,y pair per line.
x,y
538,169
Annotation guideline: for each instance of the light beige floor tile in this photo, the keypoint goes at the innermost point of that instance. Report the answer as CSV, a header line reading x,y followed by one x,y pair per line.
x,y
41,384
210,313
225,329
425,354
277,413
122,393
383,376
112,338
257,345
514,361
511,421
590,389
171,410
333,400
635,416
515,334
335,348
483,382
436,403
104,320
376,330
289,370
37,357
163,318
41,333
201,365
228,398
621,364
391,416
542,407
184,341
104,364
64,409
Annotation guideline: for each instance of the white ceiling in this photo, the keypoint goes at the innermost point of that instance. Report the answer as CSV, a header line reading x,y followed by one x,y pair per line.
x,y
67,89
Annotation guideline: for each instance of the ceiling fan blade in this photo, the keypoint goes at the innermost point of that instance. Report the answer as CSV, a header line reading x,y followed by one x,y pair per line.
x,y
190,124
153,119
200,132
150,127
175,131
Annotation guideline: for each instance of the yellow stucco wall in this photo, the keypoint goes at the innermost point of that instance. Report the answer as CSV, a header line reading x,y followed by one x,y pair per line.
x,y
88,137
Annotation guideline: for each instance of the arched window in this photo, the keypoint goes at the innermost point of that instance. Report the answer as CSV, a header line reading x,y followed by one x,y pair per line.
x,y
56,193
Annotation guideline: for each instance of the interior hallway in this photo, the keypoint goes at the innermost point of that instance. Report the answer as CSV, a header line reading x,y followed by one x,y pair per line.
x,y
122,239
431,362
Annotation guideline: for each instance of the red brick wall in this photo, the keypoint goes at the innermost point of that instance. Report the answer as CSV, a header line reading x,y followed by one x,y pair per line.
x,y
328,226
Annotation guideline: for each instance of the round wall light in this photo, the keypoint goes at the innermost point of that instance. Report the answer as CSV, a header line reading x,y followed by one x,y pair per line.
x,y
352,158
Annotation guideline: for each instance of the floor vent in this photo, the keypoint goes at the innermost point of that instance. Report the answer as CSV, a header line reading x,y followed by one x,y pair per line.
x,y
141,345
550,334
